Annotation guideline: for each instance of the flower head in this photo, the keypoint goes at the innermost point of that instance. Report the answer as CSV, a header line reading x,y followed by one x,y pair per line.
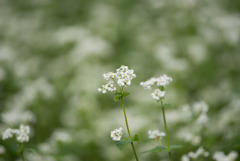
x,y
22,134
116,134
7,134
158,83
157,94
121,78
161,81
155,134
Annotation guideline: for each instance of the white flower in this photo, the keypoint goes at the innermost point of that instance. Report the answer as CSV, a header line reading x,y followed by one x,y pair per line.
x,y
157,94
185,158
125,76
22,134
155,134
194,155
107,87
116,134
200,107
202,119
121,78
7,134
109,75
163,81
220,156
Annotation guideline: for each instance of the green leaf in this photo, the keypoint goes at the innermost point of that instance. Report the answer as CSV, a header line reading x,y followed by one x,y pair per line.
x,y
122,143
124,94
156,149
174,147
135,138
117,96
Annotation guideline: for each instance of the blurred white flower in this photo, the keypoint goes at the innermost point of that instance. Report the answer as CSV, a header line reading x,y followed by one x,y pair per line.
x,y
194,155
202,119
200,107
162,81
158,94
185,158
7,134
2,149
15,115
116,134
22,134
220,156
155,134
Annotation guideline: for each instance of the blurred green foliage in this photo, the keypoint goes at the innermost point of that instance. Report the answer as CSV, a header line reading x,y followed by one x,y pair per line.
x,y
53,54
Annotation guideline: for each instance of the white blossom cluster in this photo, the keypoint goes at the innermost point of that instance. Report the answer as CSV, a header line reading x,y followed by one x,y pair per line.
x,y
194,155
116,134
121,78
22,134
155,134
161,81
220,156
201,109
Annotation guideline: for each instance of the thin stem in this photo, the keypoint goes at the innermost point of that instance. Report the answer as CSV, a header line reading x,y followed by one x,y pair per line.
x,y
125,116
166,129
21,151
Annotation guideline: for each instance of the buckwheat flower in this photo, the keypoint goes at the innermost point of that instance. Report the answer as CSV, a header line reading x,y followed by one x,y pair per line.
x,y
109,75
220,156
124,76
155,134
116,134
22,137
22,134
103,89
200,107
7,134
202,119
163,80
121,78
157,94
185,158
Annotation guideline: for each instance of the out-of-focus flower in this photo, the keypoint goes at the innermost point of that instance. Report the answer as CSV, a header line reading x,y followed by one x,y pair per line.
x,y
159,82
155,134
220,156
116,134
185,158
162,81
7,134
200,107
22,134
2,149
194,155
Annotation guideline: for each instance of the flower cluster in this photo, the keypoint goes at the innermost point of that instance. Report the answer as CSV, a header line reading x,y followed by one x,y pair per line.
x,y
155,134
220,156
121,78
22,134
159,82
116,134
191,155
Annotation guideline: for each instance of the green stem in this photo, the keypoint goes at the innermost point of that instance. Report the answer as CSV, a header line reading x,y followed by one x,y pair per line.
x,y
166,129
126,121
21,151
